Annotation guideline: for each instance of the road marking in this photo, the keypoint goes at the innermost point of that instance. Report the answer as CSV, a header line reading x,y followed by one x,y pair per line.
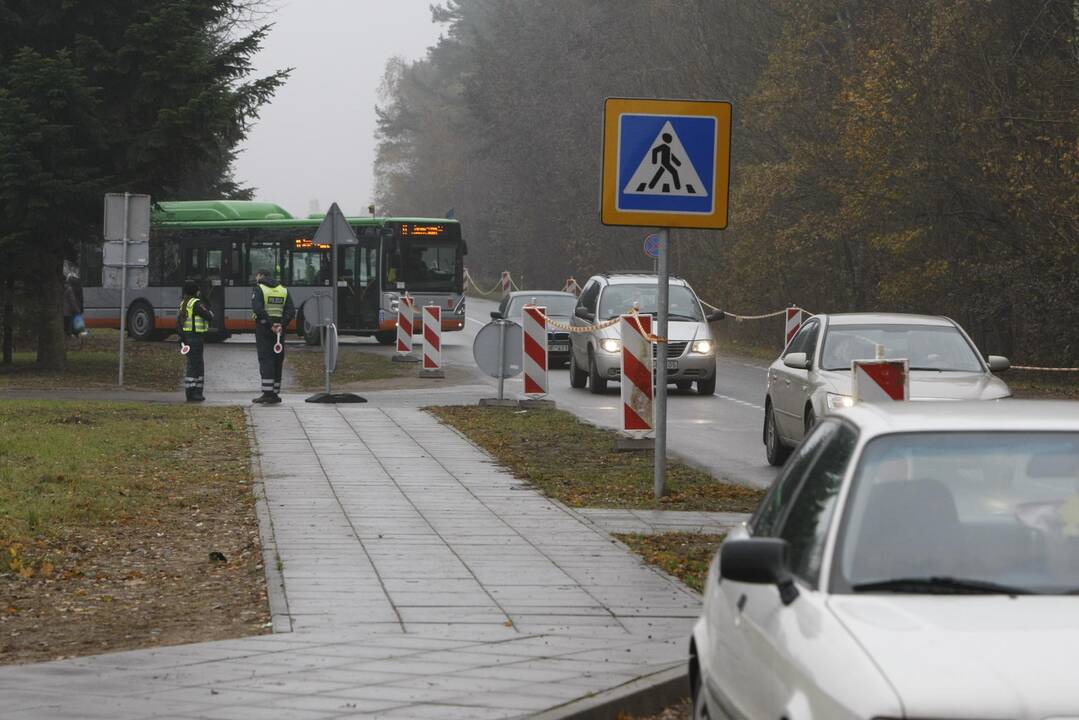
x,y
740,402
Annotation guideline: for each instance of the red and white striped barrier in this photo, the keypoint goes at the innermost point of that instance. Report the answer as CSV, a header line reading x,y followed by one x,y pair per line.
x,y
534,323
638,416
406,314
794,323
507,283
880,380
432,341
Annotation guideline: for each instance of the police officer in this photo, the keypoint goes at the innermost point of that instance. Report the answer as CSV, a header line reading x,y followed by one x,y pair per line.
x,y
192,322
273,309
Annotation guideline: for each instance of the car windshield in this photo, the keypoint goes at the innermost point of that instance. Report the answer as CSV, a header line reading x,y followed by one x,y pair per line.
x,y
933,512
619,299
926,347
557,305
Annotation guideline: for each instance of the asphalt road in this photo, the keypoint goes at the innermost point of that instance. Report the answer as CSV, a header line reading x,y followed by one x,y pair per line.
x,y
721,433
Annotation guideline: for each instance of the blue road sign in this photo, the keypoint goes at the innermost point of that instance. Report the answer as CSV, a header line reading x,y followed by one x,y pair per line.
x,y
651,245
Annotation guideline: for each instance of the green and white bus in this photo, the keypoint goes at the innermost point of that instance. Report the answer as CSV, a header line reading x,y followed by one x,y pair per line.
x,y
222,243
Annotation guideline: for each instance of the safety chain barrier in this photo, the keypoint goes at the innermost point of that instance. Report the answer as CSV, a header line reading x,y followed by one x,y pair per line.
x,y
602,326
470,283
1043,369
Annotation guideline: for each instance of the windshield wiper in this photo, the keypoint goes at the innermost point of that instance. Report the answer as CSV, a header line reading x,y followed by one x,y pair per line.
x,y
941,585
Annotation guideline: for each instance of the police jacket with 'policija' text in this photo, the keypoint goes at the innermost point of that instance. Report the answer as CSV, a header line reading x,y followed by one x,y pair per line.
x,y
271,303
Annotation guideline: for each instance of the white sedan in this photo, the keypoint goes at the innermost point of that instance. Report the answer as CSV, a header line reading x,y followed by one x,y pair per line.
x,y
812,376
912,561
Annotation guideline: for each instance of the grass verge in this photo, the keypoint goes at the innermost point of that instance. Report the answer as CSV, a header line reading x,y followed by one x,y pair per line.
x,y
353,365
576,463
683,555
125,526
93,363
1052,386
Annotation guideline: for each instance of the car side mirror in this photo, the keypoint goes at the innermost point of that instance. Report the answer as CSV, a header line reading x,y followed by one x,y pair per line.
x,y
496,315
998,363
715,316
796,360
760,561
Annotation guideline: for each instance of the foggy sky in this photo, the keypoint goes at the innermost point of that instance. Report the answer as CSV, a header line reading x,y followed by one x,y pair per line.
x,y
316,139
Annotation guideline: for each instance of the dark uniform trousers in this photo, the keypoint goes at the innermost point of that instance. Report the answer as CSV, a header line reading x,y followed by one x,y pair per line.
x,y
270,363
196,368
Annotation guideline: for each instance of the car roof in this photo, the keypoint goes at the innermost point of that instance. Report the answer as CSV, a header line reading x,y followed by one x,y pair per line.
x,y
627,278
946,416
539,293
885,319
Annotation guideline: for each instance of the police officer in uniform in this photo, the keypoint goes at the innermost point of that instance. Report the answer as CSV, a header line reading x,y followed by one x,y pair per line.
x,y
273,309
192,323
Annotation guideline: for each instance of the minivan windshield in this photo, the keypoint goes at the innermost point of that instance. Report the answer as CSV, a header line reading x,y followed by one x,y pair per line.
x,y
619,299
926,347
950,512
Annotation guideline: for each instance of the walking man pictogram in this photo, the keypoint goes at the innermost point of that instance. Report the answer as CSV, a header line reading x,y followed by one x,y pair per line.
x,y
662,155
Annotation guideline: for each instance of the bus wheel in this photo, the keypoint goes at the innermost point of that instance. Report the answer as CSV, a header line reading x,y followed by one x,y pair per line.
x,y
311,334
140,321
386,337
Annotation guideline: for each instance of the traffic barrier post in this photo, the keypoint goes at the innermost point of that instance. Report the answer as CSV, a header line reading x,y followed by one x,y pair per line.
x,y
638,409
432,342
406,316
507,283
535,351
880,380
794,323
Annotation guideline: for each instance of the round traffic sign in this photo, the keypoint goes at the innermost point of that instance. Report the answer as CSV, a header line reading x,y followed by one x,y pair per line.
x,y
486,352
651,245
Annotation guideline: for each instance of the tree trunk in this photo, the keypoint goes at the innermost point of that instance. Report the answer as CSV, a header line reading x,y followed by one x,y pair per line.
x,y
8,329
51,344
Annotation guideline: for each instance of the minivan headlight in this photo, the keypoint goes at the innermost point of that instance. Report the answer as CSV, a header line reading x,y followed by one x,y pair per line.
x,y
838,402
610,345
703,347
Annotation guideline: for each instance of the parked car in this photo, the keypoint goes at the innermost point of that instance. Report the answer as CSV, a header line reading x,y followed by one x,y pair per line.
x,y
913,560
596,356
559,307
813,375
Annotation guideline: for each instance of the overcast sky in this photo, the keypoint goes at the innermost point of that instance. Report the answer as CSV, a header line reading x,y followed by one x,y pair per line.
x,y
316,139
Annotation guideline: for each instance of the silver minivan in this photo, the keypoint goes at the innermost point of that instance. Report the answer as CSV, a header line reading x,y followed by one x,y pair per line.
x,y
595,356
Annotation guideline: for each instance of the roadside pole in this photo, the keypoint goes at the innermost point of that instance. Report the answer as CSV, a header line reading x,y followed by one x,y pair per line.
x,y
501,358
663,267
123,284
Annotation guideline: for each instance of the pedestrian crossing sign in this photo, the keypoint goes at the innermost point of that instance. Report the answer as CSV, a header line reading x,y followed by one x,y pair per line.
x,y
666,163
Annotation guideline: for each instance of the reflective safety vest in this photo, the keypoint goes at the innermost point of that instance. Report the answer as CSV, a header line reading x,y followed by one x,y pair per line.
x,y
192,322
273,300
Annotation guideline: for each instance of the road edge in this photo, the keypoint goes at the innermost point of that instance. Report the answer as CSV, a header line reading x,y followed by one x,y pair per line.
x,y
280,616
644,696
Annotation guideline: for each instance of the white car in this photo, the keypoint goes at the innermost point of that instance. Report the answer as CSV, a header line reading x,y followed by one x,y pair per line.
x,y
913,560
812,376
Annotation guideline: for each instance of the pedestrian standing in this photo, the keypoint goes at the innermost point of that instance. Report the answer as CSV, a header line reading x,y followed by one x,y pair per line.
x,y
273,310
192,323
72,306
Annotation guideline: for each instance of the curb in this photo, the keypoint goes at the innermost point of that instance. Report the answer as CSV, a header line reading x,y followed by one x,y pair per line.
x,y
644,696
275,581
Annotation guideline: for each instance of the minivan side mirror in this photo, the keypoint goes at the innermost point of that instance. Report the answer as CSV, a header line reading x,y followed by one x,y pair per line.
x,y
584,312
496,315
760,561
998,363
796,360
715,316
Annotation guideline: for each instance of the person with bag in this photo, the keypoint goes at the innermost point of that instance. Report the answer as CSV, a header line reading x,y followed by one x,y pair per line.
x,y
74,325
192,323
273,310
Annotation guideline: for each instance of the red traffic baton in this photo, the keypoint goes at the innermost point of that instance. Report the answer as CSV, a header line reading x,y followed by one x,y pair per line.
x,y
278,347
184,348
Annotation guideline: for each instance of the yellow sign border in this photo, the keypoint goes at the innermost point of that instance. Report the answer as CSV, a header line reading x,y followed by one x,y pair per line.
x,y
613,108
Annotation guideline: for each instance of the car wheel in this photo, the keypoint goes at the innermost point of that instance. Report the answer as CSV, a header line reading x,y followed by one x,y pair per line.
x,y
578,378
311,335
774,449
140,321
700,704
707,387
597,384
810,420
684,385
386,337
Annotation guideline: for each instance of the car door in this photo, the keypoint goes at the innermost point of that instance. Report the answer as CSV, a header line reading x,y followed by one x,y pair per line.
x,y
739,654
586,303
789,387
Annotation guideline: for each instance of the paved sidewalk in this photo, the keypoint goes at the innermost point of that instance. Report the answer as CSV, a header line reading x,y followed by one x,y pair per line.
x,y
654,522
420,581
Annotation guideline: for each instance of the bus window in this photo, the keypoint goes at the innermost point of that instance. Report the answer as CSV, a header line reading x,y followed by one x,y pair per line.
x,y
90,260
309,268
262,257
430,266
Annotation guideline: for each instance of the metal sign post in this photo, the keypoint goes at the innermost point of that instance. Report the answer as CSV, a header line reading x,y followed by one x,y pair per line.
x,y
123,286
666,163
127,219
498,351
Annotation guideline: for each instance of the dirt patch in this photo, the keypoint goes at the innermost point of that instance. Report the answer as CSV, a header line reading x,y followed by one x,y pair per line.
x,y
683,555
132,527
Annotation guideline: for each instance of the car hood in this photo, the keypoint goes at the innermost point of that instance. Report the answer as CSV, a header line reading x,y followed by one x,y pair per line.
x,y
965,656
932,385
677,331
